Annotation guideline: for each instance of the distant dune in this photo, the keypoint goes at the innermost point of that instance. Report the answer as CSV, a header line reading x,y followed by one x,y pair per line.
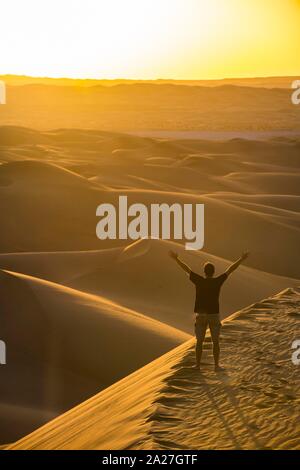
x,y
217,134
64,346
53,186
156,106
253,404
264,82
55,205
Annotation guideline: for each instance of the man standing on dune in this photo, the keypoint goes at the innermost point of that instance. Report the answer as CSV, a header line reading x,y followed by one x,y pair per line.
x,y
207,303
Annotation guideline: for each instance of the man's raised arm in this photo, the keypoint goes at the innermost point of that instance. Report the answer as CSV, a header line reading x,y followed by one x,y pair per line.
x,y
235,265
184,266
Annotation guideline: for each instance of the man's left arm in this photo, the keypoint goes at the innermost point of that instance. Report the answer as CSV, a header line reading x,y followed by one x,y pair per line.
x,y
235,265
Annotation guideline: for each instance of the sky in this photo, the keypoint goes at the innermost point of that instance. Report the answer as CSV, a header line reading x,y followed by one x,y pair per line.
x,y
148,39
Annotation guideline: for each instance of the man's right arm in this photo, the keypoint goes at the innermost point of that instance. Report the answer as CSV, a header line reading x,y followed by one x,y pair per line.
x,y
180,263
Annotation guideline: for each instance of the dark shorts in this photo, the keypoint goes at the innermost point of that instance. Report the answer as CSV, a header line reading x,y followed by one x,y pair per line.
x,y
203,320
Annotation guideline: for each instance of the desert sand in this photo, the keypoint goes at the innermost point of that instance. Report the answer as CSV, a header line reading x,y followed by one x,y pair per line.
x,y
53,185
62,338
253,404
80,315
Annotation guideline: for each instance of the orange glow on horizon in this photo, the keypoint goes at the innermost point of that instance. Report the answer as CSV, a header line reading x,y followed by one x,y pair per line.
x,y
180,39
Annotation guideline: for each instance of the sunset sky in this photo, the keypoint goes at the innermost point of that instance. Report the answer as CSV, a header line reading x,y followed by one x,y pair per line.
x,y
145,39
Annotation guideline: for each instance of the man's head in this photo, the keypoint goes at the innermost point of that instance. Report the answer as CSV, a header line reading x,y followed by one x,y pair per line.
x,y
209,269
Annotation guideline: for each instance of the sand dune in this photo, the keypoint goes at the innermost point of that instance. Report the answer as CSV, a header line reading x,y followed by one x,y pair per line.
x,y
83,313
59,341
44,206
254,404
48,208
144,106
59,266
283,216
268,183
148,280
227,231
282,201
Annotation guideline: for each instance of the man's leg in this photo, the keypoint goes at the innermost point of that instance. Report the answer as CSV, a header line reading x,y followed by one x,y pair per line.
x,y
215,329
200,330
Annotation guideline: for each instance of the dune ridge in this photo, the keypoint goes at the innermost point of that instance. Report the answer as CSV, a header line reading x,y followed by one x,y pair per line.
x,y
167,405
57,207
64,345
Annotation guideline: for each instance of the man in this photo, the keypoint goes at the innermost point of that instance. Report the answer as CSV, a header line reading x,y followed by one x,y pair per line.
x,y
207,303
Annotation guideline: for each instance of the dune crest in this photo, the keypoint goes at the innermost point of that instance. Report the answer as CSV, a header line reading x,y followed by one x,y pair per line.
x,y
168,405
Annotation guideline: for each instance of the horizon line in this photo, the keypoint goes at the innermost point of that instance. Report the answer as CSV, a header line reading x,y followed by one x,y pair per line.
x,y
46,77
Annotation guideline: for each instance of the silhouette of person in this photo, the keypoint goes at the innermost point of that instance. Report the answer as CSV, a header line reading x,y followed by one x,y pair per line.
x,y
207,303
